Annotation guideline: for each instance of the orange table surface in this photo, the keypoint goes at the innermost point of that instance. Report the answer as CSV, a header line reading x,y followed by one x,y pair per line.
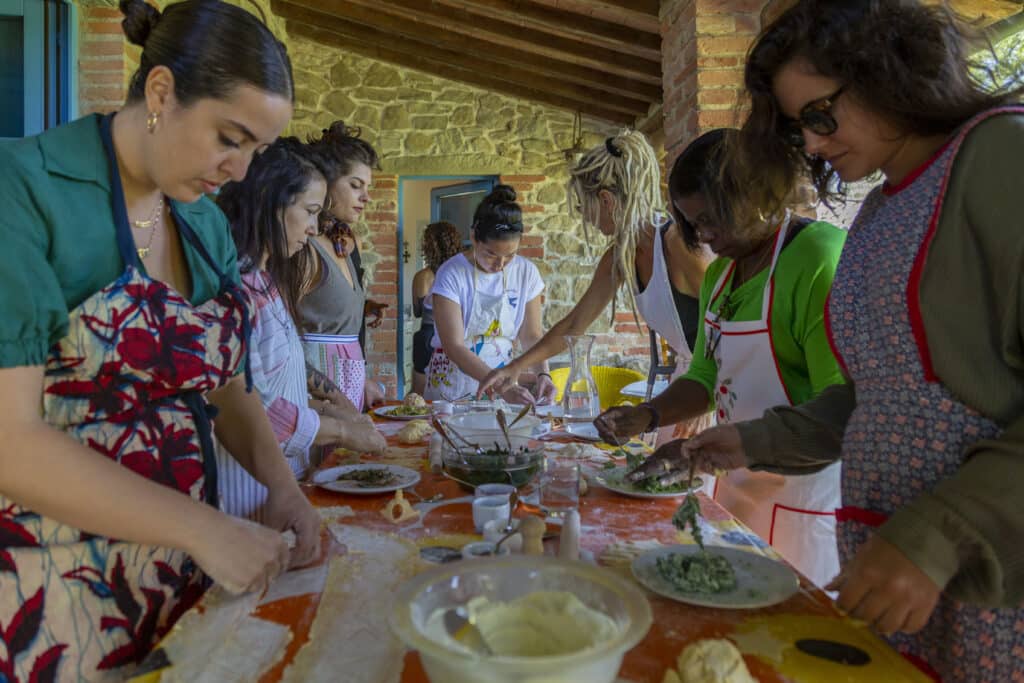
x,y
606,518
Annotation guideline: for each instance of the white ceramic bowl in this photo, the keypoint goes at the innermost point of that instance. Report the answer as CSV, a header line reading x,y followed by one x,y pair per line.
x,y
483,428
507,578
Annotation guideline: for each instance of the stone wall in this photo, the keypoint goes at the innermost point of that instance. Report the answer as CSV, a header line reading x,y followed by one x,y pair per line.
x,y
421,125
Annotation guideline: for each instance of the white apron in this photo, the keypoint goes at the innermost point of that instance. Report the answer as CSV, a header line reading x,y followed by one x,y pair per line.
x,y
489,333
657,307
795,514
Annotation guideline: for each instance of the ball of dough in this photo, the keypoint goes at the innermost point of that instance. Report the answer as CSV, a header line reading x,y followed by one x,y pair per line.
x,y
713,661
414,432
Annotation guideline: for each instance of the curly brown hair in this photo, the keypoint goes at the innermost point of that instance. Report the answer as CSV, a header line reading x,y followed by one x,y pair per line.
x,y
441,241
908,63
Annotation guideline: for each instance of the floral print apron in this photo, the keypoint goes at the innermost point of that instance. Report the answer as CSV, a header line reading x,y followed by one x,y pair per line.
x,y
127,381
908,432
490,333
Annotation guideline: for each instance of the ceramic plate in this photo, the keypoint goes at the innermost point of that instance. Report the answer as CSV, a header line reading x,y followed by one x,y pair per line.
x,y
639,388
388,412
331,479
585,431
611,479
760,581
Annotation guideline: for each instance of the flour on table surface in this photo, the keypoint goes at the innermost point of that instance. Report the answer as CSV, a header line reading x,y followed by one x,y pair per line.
x,y
298,582
350,633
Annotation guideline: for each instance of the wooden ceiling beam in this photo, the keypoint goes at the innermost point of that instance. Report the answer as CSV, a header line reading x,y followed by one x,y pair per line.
x,y
423,19
561,22
385,52
613,12
457,58
397,28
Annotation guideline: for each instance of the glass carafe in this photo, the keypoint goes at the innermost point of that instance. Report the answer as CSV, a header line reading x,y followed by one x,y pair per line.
x,y
579,400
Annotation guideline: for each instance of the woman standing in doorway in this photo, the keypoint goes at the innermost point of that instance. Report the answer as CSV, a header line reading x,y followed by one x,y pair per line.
x,y
333,307
122,317
485,300
616,187
441,241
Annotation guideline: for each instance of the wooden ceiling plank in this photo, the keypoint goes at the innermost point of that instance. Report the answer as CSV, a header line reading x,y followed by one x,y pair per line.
x,y
395,27
457,58
432,16
562,22
376,50
599,10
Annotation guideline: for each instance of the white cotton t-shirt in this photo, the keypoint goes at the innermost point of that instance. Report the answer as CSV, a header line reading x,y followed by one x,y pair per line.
x,y
454,280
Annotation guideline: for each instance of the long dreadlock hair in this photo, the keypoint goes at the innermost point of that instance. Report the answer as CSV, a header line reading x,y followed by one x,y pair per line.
x,y
625,165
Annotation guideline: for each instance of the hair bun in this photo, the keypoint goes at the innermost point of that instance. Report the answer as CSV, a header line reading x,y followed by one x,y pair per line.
x,y
140,18
502,193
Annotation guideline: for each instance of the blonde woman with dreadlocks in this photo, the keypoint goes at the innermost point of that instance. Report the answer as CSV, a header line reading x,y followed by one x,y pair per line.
x,y
616,187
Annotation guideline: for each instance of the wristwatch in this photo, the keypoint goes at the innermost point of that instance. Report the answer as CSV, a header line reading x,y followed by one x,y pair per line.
x,y
655,416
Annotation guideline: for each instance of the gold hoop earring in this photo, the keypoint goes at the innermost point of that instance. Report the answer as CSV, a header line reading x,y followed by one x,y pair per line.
x,y
151,121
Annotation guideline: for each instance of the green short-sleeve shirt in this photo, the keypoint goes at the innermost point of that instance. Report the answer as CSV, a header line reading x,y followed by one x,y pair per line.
x,y
59,241
803,279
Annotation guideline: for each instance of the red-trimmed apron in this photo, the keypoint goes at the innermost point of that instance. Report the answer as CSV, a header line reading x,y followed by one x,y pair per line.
x,y
908,432
795,514
128,381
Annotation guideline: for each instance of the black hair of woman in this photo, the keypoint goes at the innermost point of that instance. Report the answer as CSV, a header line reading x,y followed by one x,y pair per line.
x,y
338,148
210,46
498,216
255,209
441,241
914,65
698,171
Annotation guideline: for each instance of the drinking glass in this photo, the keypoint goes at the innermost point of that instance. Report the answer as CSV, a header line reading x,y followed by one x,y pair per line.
x,y
559,485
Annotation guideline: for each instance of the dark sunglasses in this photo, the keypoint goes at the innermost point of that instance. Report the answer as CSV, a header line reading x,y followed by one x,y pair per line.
x,y
816,117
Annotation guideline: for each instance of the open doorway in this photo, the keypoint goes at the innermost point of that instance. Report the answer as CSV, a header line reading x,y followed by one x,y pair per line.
x,y
423,200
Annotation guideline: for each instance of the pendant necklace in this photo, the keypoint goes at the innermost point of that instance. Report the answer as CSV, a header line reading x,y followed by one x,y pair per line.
x,y
152,223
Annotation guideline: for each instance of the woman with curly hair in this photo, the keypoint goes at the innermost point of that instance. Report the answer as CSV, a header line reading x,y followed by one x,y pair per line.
x,y
926,314
441,241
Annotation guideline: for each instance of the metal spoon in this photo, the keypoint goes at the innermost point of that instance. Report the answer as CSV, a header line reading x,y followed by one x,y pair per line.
x,y
522,413
503,423
460,626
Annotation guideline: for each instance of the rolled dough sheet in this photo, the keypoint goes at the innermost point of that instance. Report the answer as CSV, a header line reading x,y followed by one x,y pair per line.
x,y
350,632
299,582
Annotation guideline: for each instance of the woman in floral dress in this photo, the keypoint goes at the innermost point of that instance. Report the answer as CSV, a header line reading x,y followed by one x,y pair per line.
x,y
926,314
123,331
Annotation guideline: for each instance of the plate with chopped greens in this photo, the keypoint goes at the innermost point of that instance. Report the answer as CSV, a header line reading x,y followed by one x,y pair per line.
x,y
613,479
722,577
402,412
366,478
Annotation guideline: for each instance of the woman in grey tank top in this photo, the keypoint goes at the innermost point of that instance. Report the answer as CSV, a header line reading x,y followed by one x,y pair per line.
x,y
332,308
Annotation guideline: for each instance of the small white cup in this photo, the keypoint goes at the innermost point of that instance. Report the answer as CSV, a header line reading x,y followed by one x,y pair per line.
x,y
505,490
487,508
494,531
478,549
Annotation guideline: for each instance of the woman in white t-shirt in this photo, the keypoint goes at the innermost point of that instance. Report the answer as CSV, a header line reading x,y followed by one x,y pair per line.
x,y
484,300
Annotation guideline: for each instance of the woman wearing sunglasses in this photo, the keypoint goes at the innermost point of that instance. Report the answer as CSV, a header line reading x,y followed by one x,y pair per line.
x,y
762,343
926,314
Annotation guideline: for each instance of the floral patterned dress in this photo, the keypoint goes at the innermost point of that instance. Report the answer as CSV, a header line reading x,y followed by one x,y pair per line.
x,y
908,431
128,381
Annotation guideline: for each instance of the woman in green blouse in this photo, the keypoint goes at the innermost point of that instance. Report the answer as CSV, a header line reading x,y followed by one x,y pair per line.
x,y
762,343
121,317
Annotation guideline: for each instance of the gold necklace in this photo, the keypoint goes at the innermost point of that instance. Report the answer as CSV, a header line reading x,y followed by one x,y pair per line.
x,y
153,217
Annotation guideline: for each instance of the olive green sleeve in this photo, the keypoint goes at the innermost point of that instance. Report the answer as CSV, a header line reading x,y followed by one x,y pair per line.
x,y
799,439
966,532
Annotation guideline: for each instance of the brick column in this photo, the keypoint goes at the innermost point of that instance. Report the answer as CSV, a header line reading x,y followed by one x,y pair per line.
x,y
382,280
101,59
704,45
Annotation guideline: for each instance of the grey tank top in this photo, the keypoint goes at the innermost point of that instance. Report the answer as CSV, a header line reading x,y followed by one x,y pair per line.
x,y
333,306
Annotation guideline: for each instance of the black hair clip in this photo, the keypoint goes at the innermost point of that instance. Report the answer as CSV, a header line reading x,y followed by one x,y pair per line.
x,y
612,149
